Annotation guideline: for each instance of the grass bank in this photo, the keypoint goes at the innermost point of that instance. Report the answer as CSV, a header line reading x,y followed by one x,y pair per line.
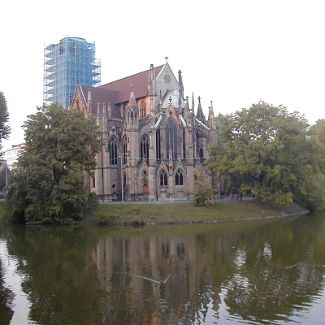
x,y
178,213
182,213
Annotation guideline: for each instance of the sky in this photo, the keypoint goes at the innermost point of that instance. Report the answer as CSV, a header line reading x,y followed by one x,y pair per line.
x,y
233,52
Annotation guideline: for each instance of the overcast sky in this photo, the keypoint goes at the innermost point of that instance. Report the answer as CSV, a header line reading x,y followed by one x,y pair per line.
x,y
234,52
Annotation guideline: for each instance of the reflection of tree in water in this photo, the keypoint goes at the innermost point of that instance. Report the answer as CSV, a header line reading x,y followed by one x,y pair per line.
x,y
108,277
278,273
59,275
267,272
6,297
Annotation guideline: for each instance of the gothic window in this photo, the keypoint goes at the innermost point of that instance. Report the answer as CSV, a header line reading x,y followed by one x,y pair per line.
x,y
144,148
163,178
158,150
200,147
179,179
201,153
171,138
125,150
143,110
112,148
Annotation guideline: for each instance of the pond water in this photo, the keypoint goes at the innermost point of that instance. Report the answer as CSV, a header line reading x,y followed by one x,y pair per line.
x,y
252,273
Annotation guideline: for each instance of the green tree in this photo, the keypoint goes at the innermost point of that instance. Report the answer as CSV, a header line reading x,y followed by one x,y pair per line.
x,y
317,135
4,118
268,148
203,191
48,184
315,182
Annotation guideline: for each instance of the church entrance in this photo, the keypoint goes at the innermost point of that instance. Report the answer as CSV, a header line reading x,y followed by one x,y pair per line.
x,y
145,191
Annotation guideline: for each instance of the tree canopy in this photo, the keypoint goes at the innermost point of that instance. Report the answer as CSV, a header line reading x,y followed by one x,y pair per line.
x,y
4,118
270,150
48,184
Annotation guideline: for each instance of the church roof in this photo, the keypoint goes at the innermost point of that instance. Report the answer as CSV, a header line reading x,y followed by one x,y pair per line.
x,y
122,87
99,95
199,114
118,91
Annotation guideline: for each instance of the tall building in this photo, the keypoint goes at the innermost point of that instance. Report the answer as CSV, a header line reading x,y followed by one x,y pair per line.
x,y
11,155
153,143
66,64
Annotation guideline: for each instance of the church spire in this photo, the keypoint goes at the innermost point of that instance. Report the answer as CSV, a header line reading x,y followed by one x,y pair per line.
x,y
199,114
193,103
211,109
132,100
181,85
211,118
89,98
132,115
152,88
151,81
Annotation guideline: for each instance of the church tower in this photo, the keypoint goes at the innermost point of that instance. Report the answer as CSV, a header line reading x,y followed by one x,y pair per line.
x,y
130,152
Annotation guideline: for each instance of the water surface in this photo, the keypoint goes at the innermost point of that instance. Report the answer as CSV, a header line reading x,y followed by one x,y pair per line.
x,y
253,273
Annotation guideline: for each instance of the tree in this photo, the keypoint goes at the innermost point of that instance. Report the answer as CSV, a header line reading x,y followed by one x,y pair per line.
x,y
203,191
315,182
4,118
48,184
268,148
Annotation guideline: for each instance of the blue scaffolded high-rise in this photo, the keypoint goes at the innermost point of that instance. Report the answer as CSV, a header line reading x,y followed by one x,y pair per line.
x,y
66,64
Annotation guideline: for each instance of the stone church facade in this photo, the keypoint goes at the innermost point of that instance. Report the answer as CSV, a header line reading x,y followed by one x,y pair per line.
x,y
152,142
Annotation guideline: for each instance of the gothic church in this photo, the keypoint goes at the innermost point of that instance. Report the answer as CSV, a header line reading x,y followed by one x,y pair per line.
x,y
152,142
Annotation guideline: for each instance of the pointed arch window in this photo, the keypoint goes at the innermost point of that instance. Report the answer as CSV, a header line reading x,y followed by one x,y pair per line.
x,y
112,148
201,155
144,148
171,138
163,178
125,150
179,178
143,110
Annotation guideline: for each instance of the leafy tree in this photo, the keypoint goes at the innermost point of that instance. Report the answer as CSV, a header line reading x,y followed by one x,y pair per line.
x,y
4,118
268,148
203,192
48,184
317,135
315,182
4,177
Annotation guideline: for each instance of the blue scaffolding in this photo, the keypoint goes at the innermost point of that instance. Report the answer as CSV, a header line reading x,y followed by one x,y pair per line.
x,y
66,64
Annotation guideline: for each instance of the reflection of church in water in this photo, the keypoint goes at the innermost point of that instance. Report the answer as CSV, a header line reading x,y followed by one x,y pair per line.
x,y
152,141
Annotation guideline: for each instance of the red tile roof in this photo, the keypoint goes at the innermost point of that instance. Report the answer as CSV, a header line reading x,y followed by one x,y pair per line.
x,y
118,91
101,96
122,87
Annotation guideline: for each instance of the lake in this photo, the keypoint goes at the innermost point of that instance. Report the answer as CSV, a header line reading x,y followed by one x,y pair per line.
x,y
265,272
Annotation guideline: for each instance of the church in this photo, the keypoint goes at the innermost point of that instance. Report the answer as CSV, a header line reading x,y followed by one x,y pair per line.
x,y
152,141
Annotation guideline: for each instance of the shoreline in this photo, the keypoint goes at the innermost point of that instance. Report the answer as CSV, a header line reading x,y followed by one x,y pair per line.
x,y
187,213
151,214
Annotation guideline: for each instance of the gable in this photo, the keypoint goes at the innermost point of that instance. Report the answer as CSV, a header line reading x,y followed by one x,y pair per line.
x,y
166,81
79,102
